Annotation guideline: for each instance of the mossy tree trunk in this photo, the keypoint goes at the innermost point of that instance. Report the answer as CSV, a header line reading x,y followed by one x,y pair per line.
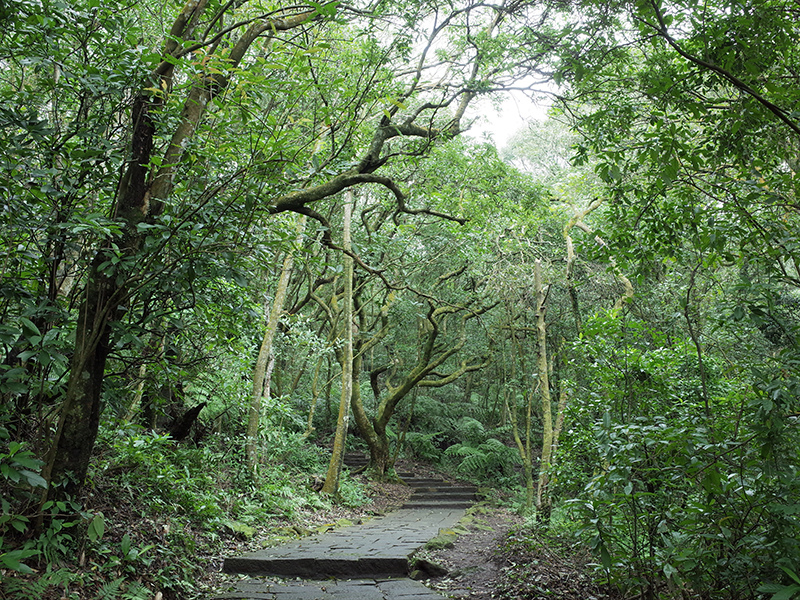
x,y
260,374
331,485
432,355
543,504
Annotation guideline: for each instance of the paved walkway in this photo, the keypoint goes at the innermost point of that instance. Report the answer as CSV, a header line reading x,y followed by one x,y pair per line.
x,y
362,562
379,548
369,561
354,589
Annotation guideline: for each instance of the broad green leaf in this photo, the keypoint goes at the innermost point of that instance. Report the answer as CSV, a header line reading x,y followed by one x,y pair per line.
x,y
97,527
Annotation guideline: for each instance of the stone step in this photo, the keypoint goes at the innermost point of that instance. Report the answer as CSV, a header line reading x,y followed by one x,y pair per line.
x,y
456,489
426,504
378,549
425,482
443,496
348,589
320,567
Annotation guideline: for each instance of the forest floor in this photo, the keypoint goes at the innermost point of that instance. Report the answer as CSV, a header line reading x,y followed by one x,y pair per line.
x,y
494,557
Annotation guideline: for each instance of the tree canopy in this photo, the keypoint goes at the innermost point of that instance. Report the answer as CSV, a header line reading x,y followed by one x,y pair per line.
x,y
224,224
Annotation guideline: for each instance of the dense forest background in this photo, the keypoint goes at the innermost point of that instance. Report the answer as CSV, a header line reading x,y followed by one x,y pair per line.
x,y
239,238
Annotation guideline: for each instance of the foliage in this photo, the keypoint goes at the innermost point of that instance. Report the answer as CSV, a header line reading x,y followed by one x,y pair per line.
x,y
422,446
490,460
184,494
676,496
141,236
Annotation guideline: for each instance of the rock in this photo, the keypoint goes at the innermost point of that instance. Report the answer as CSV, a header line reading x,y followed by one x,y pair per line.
x,y
303,531
445,539
430,569
343,523
240,528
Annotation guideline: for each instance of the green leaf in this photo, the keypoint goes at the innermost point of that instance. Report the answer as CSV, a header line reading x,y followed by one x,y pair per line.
x,y
791,574
12,562
670,571
34,479
20,524
29,329
605,557
24,460
787,592
9,472
125,544
97,527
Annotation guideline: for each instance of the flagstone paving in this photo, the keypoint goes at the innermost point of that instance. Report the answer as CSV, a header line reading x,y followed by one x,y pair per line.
x,y
354,589
370,561
377,549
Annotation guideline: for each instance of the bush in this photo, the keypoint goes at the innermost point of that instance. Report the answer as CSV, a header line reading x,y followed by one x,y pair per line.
x,y
673,508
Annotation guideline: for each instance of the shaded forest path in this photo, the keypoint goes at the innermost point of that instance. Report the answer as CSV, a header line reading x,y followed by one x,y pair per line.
x,y
370,561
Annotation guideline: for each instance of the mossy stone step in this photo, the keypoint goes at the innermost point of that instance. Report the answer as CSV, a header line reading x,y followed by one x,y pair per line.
x,y
380,548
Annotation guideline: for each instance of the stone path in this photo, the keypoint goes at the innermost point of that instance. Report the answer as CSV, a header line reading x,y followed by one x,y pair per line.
x,y
353,589
362,562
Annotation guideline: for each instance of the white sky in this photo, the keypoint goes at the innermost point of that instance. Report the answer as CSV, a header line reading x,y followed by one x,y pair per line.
x,y
513,114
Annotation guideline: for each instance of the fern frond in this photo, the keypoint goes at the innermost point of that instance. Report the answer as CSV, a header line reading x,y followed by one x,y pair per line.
x,y
136,591
25,589
110,589
461,450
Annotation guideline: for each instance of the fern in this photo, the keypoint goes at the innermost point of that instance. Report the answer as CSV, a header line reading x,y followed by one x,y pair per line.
x,y
491,459
35,589
136,591
110,589
471,431
421,446
23,589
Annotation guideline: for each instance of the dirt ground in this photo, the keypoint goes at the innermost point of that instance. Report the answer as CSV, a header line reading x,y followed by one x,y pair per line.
x,y
474,563
498,558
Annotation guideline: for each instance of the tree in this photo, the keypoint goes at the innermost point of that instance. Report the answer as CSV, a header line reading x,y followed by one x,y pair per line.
x,y
261,374
172,175
687,115
140,200
337,454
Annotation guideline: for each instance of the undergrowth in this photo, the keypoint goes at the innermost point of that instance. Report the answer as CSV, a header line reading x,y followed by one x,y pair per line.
x,y
156,516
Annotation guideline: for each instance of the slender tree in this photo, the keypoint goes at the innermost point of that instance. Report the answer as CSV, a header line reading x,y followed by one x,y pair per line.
x,y
331,485
260,374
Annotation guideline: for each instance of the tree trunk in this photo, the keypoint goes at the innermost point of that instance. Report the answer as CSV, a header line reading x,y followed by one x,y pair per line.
x,y
265,352
378,447
430,357
468,389
335,467
542,493
179,430
68,460
314,397
524,448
